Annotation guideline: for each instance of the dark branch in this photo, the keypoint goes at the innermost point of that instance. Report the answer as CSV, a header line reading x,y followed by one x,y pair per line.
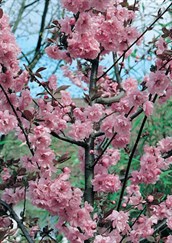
x,y
30,4
42,27
147,29
18,119
69,140
129,163
18,221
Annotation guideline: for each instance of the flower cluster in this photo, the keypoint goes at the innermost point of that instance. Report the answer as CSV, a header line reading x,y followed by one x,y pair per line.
x,y
65,201
101,26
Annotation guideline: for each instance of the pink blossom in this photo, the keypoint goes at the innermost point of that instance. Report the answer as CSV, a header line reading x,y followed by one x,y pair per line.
x,y
101,5
121,140
108,87
79,114
6,79
13,196
65,98
5,222
130,84
100,169
137,97
120,221
161,46
107,126
41,138
103,239
9,49
122,125
44,158
66,25
133,196
169,222
148,108
81,130
142,228
25,99
20,81
7,122
111,157
168,201
151,165
106,183
55,53
78,5
84,23
165,144
83,46
94,113
5,174
52,82
75,77
169,239
158,82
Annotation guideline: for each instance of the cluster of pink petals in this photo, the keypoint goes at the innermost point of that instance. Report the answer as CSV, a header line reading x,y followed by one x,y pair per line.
x,y
165,144
8,47
55,53
106,183
169,239
111,157
79,130
143,228
120,221
64,201
107,86
43,156
52,117
78,5
94,31
76,77
133,196
13,196
158,82
152,162
5,222
117,124
103,181
7,122
83,46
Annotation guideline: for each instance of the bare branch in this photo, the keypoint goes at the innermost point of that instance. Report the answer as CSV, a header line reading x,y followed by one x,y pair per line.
x,y
68,140
40,37
30,4
110,100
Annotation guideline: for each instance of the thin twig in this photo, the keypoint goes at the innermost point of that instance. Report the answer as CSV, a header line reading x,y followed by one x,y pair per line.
x,y
18,221
129,163
30,4
69,140
147,29
18,119
103,151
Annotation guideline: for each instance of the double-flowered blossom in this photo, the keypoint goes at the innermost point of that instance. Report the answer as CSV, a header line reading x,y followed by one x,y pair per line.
x,y
99,26
104,181
7,122
152,162
65,201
